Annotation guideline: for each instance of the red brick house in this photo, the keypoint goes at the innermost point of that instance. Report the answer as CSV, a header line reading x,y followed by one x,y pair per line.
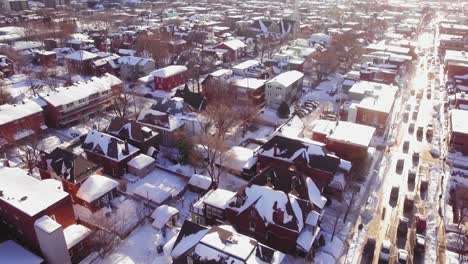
x,y
235,49
347,140
169,126
371,104
39,215
6,67
278,219
109,152
134,133
307,157
169,77
68,168
45,58
80,62
459,130
69,105
19,121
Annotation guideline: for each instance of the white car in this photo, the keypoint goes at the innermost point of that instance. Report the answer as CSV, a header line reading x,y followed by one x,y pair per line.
x,y
385,250
402,256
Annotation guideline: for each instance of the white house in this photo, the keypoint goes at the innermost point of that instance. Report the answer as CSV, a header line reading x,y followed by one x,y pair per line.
x,y
285,87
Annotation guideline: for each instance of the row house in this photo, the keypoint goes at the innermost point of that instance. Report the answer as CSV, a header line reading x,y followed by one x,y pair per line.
x,y
109,152
6,67
371,104
68,168
286,87
39,215
134,133
452,42
69,105
459,130
453,29
19,121
347,140
456,62
169,77
199,244
132,68
80,62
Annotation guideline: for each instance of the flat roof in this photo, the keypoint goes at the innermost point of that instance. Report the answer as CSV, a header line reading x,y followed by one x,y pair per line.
x,y
459,121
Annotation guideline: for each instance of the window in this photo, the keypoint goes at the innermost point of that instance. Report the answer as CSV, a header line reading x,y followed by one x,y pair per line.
x,y
364,117
252,226
189,260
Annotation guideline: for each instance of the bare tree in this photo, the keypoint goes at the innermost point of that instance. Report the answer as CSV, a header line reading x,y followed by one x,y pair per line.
x,y
326,62
29,154
156,46
5,96
121,105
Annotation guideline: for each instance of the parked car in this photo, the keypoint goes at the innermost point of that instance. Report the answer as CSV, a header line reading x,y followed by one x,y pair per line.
x,y
385,250
415,115
394,192
369,248
428,95
402,256
400,164
416,156
429,131
403,225
411,128
411,176
420,132
421,224
420,243
408,205
405,116
406,146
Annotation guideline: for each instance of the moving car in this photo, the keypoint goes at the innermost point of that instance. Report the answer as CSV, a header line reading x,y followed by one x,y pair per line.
x,y
429,131
368,252
409,202
420,132
406,146
420,243
416,156
421,224
385,250
411,128
400,164
403,225
411,176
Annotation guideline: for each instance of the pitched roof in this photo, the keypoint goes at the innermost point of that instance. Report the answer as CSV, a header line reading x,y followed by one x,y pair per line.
x,y
67,165
107,146
95,187
171,106
81,55
189,235
195,100
130,130
169,71
159,120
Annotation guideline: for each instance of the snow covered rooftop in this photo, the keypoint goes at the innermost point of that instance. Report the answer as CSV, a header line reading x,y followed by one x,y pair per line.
x,y
81,55
249,83
374,96
246,64
11,252
162,214
315,195
95,187
27,193
47,224
141,161
74,234
287,78
159,119
237,158
82,90
234,44
218,198
169,71
459,120
131,60
346,132
200,181
10,113
107,145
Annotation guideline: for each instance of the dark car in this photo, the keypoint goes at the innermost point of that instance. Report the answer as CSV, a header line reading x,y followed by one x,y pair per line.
x,y
368,251
411,176
408,205
403,225
394,192
406,146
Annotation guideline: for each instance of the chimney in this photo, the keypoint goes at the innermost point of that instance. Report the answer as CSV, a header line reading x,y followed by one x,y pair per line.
x,y
126,150
275,150
278,215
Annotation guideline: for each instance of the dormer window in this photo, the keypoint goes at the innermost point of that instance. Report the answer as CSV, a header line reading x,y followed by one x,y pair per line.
x,y
252,226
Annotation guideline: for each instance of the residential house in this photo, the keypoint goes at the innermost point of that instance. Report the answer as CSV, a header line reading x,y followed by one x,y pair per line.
x,y
347,140
6,67
68,168
80,62
167,125
69,105
109,152
40,216
456,62
308,157
281,220
453,29
199,183
108,64
278,27
195,100
167,78
250,68
134,133
250,91
459,130
141,165
234,49
210,209
371,104
97,191
199,244
132,68
286,87
19,121
45,58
